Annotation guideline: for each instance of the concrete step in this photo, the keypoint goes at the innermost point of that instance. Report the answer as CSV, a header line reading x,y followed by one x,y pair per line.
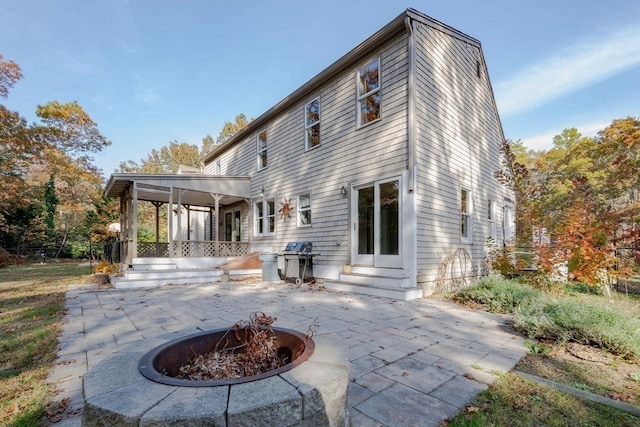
x,y
170,273
404,294
377,271
121,283
154,266
132,279
375,281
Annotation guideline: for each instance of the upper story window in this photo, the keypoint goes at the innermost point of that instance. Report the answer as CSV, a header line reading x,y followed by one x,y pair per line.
x,y
369,93
491,219
466,218
217,167
264,213
312,124
304,210
261,144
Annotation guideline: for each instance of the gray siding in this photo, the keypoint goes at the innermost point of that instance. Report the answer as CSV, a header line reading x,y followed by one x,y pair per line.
x,y
345,155
458,145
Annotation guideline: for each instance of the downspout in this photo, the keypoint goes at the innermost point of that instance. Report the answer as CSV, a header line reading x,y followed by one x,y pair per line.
x,y
411,104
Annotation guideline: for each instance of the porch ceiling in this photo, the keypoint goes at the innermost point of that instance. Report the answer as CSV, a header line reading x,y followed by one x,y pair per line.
x,y
196,189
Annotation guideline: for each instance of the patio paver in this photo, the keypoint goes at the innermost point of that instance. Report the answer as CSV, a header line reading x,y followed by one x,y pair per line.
x,y
412,362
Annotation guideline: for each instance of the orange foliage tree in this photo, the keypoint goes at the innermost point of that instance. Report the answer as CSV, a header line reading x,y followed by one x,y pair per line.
x,y
59,149
584,193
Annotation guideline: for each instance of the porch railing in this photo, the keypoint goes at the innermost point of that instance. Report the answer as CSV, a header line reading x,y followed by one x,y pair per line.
x,y
193,248
153,249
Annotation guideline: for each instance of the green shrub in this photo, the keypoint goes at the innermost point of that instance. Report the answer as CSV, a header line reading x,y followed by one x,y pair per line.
x,y
498,295
567,318
582,288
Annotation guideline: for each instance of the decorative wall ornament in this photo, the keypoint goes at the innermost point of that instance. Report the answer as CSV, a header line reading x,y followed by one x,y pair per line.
x,y
285,209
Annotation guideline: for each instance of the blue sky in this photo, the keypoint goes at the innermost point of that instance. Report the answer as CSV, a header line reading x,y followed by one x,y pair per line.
x,y
150,72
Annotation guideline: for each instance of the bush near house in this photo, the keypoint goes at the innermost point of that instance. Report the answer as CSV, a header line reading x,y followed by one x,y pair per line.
x,y
559,318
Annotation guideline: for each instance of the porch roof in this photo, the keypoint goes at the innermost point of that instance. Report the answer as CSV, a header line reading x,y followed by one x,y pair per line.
x,y
196,190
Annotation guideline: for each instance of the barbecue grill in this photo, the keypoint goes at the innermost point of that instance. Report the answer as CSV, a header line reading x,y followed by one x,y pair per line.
x,y
296,262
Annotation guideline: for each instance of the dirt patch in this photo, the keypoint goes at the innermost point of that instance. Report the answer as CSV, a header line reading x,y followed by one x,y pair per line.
x,y
588,368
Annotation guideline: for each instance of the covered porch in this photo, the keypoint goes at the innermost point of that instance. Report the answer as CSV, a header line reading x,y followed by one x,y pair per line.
x,y
184,197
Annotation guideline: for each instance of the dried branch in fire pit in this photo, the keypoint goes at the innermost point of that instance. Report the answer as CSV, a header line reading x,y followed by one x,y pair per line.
x,y
257,353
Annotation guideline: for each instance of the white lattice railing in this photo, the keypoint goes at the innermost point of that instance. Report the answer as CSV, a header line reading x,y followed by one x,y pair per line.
x,y
190,248
153,249
193,248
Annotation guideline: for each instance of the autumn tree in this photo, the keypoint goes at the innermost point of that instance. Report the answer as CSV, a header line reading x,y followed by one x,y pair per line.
x,y
208,143
57,150
617,152
229,129
167,159
571,194
10,74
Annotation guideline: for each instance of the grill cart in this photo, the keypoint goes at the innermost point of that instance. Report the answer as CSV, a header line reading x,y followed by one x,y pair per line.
x,y
296,262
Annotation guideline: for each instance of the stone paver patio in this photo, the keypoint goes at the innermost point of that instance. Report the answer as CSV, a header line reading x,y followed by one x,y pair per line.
x,y
412,362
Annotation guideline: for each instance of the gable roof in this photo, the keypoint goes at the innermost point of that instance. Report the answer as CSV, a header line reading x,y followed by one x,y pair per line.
x,y
372,43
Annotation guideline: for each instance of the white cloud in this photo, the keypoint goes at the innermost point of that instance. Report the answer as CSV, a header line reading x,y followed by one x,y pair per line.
x,y
581,65
145,91
544,141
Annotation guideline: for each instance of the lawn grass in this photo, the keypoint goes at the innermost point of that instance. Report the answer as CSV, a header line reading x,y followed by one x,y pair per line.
x,y
514,401
31,309
560,322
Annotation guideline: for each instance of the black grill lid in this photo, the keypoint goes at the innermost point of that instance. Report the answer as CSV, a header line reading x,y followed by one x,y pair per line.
x,y
299,247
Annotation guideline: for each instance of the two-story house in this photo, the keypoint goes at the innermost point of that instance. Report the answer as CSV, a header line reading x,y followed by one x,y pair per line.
x,y
385,160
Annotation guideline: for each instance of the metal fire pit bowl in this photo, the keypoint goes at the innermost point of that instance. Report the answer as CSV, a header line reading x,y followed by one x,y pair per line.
x,y
161,364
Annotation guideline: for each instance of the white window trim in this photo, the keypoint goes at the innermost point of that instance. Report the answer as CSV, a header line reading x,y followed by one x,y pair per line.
x,y
508,222
265,218
491,219
360,96
259,151
469,214
300,209
307,126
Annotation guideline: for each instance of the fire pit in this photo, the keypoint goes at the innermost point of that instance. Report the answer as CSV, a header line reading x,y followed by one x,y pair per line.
x,y
163,362
135,386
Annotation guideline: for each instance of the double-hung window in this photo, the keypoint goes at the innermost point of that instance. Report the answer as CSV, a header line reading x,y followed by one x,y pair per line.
x,y
368,93
217,167
491,219
261,145
304,210
265,217
466,216
312,124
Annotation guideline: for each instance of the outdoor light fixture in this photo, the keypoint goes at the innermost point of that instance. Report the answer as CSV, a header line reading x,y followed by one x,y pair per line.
x,y
262,191
343,191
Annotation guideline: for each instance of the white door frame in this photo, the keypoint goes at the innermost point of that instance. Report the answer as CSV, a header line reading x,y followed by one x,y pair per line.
x,y
376,258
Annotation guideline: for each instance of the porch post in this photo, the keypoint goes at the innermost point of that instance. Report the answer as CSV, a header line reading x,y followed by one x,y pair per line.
x,y
134,222
170,222
216,199
188,207
124,215
157,205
